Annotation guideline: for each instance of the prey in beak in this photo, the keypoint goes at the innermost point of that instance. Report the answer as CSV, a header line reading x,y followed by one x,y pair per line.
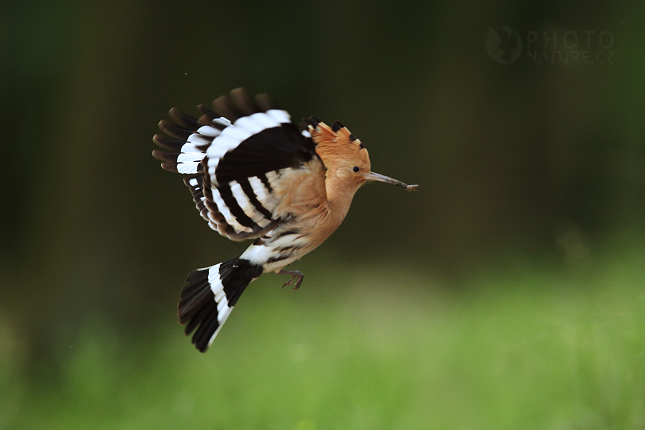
x,y
372,176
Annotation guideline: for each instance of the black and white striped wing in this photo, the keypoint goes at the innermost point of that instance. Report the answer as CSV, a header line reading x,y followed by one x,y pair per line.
x,y
234,157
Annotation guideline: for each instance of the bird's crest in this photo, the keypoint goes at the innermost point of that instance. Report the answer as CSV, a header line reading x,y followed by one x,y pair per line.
x,y
335,142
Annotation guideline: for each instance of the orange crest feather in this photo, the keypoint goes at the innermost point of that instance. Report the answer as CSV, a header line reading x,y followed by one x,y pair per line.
x,y
337,145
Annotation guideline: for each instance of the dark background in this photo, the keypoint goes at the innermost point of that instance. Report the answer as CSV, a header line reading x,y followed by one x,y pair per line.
x,y
542,164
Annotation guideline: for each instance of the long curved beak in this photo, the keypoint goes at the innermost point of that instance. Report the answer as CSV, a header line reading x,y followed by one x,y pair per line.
x,y
372,176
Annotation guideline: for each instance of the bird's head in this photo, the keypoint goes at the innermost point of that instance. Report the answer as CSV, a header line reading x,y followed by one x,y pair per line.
x,y
346,159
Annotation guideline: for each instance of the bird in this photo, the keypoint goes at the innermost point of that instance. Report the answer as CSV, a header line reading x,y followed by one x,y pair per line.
x,y
254,175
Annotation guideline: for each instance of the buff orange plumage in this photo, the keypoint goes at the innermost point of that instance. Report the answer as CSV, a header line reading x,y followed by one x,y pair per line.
x,y
254,175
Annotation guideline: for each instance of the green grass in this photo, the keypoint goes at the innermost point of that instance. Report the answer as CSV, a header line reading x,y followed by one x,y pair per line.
x,y
385,350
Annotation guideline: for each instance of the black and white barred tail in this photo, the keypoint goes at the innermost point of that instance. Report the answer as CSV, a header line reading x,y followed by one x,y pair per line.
x,y
209,295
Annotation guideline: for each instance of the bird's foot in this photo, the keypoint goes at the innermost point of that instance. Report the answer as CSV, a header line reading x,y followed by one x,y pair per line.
x,y
296,276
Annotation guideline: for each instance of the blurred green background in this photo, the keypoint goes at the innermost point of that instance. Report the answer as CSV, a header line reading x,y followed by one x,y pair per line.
x,y
506,293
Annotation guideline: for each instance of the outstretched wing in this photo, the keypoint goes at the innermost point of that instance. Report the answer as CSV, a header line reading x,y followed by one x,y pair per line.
x,y
238,159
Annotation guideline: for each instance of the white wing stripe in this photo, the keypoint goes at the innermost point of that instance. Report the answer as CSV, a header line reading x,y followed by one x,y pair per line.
x,y
279,115
239,131
187,168
198,139
273,177
246,205
255,123
262,193
190,147
222,121
230,138
185,157
224,210
259,189
209,131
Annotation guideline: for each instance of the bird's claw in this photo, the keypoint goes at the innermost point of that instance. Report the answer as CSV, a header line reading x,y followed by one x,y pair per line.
x,y
296,276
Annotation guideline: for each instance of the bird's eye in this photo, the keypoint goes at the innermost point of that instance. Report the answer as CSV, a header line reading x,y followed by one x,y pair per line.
x,y
356,169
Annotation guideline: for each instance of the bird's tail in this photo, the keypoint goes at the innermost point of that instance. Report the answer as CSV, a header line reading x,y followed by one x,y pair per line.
x,y
209,295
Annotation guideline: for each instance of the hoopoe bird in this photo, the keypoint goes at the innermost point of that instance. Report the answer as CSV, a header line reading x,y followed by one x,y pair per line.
x,y
254,175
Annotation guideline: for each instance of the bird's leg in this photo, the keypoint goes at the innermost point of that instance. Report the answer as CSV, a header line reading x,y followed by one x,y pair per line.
x,y
295,275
